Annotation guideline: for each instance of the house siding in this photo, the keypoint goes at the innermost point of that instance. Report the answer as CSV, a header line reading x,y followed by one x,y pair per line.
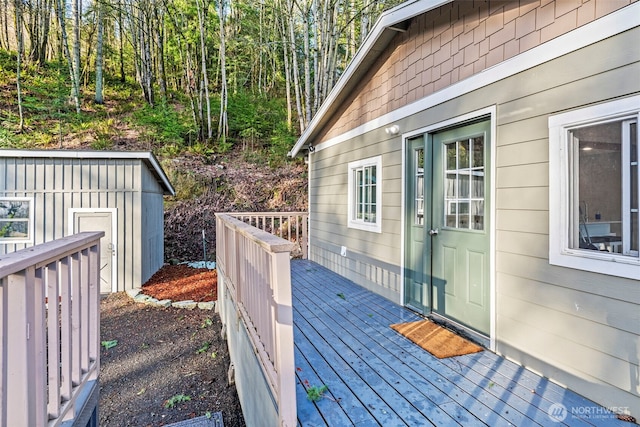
x,y
578,328
58,184
456,41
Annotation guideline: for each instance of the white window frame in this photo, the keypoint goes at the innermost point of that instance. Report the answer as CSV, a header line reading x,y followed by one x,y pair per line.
x,y
353,221
30,237
560,252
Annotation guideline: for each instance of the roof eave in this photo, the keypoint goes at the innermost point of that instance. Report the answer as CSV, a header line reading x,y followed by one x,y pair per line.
x,y
384,30
147,157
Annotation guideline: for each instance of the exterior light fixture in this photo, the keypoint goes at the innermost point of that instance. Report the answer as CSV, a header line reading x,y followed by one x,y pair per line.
x,y
392,130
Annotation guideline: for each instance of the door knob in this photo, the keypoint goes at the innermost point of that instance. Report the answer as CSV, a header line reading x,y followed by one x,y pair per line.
x,y
433,232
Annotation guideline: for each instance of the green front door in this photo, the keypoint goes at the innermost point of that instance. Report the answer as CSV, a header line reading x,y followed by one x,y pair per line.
x,y
417,246
455,236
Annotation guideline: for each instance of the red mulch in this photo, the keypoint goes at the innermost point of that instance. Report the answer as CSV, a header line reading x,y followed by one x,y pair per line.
x,y
181,282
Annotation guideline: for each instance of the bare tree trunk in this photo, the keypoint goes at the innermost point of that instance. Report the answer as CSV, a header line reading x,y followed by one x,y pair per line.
x,y
76,11
307,65
5,24
18,10
287,71
121,39
159,36
202,14
37,24
294,59
223,125
99,58
65,46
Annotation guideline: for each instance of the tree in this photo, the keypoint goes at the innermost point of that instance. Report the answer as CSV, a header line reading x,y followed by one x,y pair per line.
x,y
75,91
223,124
99,58
19,23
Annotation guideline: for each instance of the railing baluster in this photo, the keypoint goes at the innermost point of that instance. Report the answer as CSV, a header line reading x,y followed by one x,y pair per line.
x,y
76,303
42,291
84,311
273,222
53,334
94,305
39,347
66,359
4,303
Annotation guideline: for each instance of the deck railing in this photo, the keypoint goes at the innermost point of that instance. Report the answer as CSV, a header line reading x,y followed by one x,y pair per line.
x,y
50,331
254,272
291,226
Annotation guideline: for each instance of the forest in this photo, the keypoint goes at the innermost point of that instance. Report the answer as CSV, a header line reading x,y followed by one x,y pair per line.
x,y
199,75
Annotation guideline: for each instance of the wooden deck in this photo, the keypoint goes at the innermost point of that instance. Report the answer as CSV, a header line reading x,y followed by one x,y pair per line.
x,y
377,377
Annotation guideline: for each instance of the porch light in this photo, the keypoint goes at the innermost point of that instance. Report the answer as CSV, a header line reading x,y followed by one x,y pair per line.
x,y
392,130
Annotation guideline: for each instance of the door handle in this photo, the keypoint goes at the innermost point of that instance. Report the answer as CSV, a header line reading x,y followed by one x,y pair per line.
x,y
433,232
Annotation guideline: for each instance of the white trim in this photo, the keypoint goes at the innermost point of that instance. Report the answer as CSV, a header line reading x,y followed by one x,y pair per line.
x,y
600,29
559,222
375,227
32,228
491,113
114,236
388,19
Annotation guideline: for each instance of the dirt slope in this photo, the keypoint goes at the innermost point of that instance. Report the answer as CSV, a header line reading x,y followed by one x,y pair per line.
x,y
230,184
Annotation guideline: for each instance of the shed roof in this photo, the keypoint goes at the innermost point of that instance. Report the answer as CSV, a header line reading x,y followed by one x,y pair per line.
x,y
147,158
385,29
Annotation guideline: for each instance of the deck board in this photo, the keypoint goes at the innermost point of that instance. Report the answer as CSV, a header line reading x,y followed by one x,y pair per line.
x,y
377,377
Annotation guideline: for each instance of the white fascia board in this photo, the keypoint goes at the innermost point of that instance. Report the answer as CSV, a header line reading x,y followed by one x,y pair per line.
x,y
388,19
615,23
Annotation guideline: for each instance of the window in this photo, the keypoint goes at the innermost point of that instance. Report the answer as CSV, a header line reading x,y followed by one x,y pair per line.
x,y
365,194
464,184
16,220
594,188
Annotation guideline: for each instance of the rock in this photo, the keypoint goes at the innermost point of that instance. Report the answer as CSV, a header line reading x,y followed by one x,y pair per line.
x,y
185,304
151,301
141,298
133,292
164,303
207,305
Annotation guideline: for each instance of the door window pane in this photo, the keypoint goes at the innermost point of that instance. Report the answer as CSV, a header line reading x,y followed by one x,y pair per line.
x,y
478,152
464,184
419,186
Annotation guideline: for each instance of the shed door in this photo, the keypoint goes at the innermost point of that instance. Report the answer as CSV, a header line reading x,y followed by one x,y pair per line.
x,y
455,237
92,220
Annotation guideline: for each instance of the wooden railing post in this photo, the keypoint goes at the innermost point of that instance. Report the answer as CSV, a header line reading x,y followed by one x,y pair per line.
x,y
261,277
49,330
281,279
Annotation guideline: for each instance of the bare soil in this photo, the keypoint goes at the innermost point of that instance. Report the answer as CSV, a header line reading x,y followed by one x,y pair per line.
x,y
229,184
164,356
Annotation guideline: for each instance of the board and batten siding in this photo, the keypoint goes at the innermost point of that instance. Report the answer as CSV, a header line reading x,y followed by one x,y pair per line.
x,y
57,184
578,328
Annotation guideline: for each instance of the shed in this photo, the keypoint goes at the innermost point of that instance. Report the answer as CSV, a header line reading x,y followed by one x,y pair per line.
x,y
48,194
477,162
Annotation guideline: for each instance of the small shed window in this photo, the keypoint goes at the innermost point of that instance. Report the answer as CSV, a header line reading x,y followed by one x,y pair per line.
x,y
594,154
16,220
365,194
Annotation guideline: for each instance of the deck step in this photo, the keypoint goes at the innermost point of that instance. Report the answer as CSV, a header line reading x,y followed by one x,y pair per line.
x,y
215,420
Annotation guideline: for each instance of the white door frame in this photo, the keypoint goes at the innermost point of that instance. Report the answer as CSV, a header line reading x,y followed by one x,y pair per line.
x,y
114,236
491,113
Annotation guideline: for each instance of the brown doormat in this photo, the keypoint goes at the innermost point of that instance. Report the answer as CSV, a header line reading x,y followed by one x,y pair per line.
x,y
435,339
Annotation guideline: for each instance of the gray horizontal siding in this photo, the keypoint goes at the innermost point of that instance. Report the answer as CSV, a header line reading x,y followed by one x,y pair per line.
x,y
548,318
